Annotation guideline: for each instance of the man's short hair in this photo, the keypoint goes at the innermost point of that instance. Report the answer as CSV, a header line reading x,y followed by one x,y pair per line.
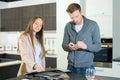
x,y
73,7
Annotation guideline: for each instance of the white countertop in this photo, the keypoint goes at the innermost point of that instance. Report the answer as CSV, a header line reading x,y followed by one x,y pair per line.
x,y
18,61
16,53
10,63
9,52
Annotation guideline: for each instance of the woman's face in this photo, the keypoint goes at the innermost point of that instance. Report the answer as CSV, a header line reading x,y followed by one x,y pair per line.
x,y
37,25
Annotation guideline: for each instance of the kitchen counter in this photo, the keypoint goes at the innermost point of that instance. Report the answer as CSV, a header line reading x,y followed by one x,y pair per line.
x,y
8,58
9,52
10,63
16,59
16,53
117,59
72,76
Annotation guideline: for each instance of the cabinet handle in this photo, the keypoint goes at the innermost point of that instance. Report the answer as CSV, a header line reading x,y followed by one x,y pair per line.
x,y
100,70
118,64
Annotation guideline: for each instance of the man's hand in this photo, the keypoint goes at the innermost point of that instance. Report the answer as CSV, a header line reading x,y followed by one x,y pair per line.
x,y
72,46
81,44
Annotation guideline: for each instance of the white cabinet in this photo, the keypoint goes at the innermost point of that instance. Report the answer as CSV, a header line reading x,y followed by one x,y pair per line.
x,y
116,69
98,7
104,71
101,12
111,72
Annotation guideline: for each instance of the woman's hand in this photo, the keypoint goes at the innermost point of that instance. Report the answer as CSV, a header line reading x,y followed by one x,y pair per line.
x,y
38,68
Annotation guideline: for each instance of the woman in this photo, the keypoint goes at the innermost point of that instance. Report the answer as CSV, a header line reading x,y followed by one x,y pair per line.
x,y
31,48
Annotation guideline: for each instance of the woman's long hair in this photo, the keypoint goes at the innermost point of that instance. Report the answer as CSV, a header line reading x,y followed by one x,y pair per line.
x,y
39,35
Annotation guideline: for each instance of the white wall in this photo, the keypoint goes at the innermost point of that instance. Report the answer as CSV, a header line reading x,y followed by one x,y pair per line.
x,y
3,5
29,2
12,37
116,29
62,19
101,12
23,3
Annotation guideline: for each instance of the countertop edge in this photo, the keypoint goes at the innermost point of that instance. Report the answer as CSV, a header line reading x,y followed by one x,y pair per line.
x,y
10,63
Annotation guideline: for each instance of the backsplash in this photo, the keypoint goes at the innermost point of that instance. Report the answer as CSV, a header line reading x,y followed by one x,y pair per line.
x,y
50,42
8,41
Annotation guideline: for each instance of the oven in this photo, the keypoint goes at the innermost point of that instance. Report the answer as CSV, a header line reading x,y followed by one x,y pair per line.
x,y
103,58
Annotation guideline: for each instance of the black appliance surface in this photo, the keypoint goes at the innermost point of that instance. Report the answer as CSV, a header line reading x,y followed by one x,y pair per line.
x,y
103,58
104,55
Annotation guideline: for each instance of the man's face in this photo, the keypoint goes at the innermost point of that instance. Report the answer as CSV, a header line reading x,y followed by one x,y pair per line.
x,y
76,17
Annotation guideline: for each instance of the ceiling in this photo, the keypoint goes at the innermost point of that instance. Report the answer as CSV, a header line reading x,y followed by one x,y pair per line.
x,y
9,0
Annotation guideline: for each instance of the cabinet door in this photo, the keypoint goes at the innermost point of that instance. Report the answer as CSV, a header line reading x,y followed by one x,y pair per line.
x,y
9,71
29,12
0,20
104,71
49,9
16,19
49,16
101,12
51,62
116,69
11,19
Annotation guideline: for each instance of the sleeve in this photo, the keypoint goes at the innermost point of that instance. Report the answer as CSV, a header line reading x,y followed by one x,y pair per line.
x,y
43,60
24,52
65,40
96,41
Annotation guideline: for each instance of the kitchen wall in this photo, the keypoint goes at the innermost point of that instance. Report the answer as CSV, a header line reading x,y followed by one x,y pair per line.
x,y
21,3
62,19
116,28
102,14
8,38
11,39
3,5
24,3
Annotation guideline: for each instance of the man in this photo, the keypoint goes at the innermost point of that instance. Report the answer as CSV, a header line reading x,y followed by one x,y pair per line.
x,y
81,40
